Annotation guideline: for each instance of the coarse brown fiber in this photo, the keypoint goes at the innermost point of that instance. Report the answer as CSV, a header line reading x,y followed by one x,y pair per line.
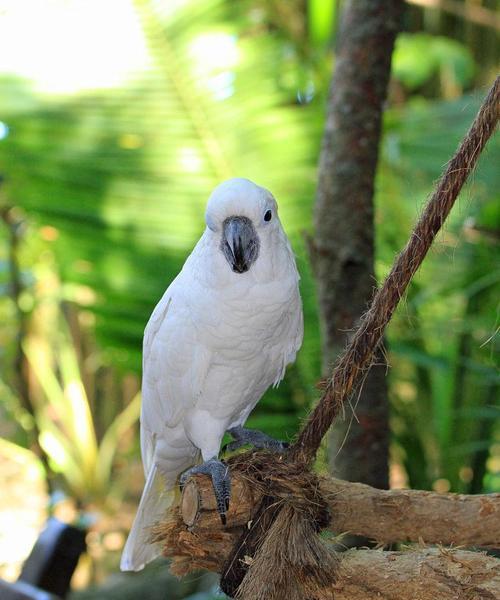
x,y
359,352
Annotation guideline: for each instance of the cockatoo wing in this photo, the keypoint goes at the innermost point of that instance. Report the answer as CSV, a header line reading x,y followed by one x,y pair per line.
x,y
289,331
295,327
147,435
176,361
172,364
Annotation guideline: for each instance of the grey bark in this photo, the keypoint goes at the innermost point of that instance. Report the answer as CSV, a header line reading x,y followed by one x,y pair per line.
x,y
343,248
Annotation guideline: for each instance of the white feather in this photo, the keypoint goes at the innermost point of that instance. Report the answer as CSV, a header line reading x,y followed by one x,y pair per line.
x,y
154,502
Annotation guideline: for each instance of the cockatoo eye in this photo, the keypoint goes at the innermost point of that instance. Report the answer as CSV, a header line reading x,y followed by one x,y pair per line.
x,y
268,216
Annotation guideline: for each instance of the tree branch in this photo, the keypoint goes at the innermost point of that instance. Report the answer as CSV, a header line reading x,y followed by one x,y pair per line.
x,y
426,574
430,574
380,515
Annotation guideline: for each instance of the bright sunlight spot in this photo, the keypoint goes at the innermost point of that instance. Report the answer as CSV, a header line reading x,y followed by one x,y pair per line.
x,y
190,159
214,55
4,130
215,51
22,506
69,45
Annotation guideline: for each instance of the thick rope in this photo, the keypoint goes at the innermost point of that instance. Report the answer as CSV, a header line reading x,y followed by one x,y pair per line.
x,y
358,355
350,369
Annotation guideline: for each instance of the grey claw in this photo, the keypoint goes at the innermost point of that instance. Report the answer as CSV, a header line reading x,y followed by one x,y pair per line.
x,y
230,446
221,482
183,478
255,438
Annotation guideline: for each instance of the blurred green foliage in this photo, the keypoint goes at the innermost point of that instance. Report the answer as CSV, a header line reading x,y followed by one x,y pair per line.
x,y
154,583
443,340
108,190
64,419
422,58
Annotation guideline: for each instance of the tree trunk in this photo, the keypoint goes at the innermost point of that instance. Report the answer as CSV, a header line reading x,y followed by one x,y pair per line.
x,y
343,248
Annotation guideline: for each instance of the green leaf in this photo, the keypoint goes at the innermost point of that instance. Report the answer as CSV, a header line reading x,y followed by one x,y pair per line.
x,y
109,444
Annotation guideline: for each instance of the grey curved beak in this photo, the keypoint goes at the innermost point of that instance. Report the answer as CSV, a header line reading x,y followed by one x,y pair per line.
x,y
240,243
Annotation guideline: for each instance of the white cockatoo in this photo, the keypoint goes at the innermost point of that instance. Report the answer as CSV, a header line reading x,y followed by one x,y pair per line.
x,y
222,334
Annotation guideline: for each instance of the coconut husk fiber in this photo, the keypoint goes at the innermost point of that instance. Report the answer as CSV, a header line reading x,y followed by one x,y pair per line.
x,y
292,561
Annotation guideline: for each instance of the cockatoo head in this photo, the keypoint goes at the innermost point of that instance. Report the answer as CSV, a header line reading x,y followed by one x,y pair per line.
x,y
243,215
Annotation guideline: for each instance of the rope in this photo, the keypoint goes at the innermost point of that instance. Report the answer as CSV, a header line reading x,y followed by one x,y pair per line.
x,y
359,353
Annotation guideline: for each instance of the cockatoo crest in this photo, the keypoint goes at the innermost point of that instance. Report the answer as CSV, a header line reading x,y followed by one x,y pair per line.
x,y
239,197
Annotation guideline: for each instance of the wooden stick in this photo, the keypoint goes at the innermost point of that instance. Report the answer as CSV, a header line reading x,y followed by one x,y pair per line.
x,y
423,574
431,574
381,515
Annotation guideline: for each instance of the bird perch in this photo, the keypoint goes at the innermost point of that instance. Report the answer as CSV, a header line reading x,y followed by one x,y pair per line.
x,y
193,538
279,554
423,573
384,516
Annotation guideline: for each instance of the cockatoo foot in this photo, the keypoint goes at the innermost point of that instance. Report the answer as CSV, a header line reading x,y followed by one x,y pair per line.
x,y
221,482
254,438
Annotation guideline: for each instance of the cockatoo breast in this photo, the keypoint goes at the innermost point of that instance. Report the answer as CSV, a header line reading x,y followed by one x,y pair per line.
x,y
248,325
